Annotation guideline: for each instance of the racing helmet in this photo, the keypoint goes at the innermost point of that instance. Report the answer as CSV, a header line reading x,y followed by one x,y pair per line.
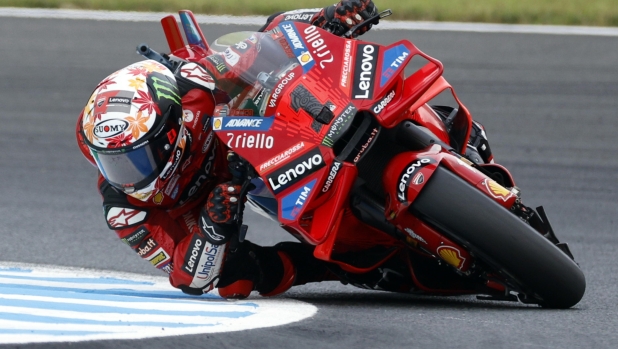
x,y
133,125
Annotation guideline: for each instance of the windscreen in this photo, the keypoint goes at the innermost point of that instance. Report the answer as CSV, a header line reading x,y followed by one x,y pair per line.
x,y
264,60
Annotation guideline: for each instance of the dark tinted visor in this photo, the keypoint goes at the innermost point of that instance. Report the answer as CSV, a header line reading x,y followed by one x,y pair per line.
x,y
136,168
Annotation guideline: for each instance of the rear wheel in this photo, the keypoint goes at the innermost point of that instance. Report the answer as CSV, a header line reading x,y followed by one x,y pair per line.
x,y
530,263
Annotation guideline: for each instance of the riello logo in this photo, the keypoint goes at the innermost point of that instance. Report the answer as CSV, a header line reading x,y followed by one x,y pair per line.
x,y
110,128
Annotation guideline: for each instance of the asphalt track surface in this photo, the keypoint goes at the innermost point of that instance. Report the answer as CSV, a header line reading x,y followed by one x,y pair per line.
x,y
549,103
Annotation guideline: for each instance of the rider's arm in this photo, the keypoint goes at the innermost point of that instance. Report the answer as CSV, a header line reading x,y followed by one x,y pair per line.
x,y
337,18
174,245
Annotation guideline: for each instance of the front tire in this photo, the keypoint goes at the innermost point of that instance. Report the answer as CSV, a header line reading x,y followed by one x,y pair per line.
x,y
500,239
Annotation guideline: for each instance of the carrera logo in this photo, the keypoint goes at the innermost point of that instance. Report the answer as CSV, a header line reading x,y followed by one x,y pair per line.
x,y
377,109
402,192
275,94
313,38
309,163
331,176
110,128
364,71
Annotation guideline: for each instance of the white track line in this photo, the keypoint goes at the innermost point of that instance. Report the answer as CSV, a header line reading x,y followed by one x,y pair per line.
x,y
260,20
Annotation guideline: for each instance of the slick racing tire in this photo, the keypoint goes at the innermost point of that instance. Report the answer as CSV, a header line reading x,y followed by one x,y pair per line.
x,y
500,240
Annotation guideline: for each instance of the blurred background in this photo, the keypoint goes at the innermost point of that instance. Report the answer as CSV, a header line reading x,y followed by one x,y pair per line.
x,y
568,12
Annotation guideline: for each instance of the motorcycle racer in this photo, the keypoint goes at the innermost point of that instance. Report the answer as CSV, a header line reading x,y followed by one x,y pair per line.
x,y
165,179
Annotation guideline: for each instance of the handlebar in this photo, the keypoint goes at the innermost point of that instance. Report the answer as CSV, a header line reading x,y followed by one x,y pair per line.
x,y
146,51
350,33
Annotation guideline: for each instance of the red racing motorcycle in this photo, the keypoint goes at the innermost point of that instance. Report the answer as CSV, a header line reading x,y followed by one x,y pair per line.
x,y
337,141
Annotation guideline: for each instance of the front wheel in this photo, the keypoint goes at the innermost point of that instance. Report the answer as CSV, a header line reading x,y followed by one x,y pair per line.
x,y
500,239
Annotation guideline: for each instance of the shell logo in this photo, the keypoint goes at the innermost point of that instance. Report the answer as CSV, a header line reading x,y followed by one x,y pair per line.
x,y
216,124
497,191
158,199
452,256
305,58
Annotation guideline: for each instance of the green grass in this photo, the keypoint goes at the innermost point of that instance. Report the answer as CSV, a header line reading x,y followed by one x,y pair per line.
x,y
569,12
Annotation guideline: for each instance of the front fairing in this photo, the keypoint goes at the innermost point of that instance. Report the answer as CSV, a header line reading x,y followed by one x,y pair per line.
x,y
277,122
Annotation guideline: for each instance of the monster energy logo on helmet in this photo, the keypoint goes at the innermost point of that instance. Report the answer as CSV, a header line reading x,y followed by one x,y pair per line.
x,y
163,88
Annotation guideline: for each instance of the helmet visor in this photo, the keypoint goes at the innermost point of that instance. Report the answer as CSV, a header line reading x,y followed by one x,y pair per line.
x,y
136,168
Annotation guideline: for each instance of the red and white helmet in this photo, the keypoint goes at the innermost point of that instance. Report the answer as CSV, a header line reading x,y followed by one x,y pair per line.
x,y
132,126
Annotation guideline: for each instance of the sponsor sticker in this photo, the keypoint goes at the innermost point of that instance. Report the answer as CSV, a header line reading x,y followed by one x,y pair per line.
x,y
340,125
452,256
231,57
366,145
158,258
346,67
136,237
208,266
299,17
121,217
281,157
497,191
219,63
364,71
293,204
113,101
280,86
196,246
232,123
334,170
110,128
258,141
377,109
146,246
301,51
394,57
296,170
318,46
408,172
415,236
195,73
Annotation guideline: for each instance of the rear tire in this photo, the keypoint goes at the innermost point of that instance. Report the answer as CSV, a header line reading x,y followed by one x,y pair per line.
x,y
500,239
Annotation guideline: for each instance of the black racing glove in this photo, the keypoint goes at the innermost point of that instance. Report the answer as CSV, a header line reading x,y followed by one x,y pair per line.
x,y
339,18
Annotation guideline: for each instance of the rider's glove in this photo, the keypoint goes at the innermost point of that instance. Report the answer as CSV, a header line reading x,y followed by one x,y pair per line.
x,y
339,18
222,204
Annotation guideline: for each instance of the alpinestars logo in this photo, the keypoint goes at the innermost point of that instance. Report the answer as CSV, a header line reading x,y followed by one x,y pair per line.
x,y
364,71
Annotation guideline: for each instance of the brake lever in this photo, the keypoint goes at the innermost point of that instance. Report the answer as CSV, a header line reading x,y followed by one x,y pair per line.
x,y
383,14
